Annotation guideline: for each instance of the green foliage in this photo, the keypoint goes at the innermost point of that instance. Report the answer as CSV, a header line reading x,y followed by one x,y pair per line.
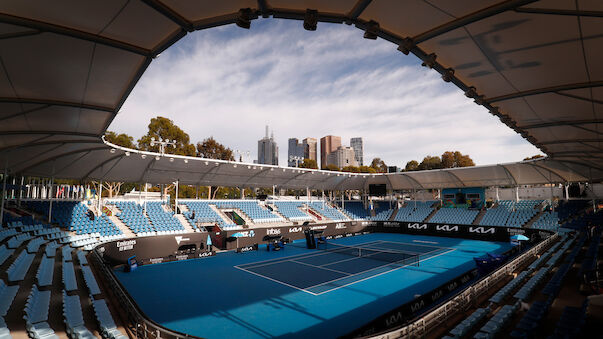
x,y
121,139
211,149
379,165
164,128
537,156
331,167
309,163
412,165
430,162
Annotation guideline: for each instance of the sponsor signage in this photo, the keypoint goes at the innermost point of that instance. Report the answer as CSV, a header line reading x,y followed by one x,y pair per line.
x,y
406,312
250,248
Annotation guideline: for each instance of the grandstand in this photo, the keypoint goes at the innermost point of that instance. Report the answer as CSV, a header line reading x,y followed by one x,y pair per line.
x,y
67,71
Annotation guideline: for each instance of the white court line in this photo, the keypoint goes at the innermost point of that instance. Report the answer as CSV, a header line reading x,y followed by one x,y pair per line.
x,y
320,267
277,281
372,276
426,242
285,259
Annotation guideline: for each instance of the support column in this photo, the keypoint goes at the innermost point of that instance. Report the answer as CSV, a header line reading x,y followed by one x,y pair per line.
x,y
100,195
497,198
176,198
21,190
516,193
2,198
50,203
566,186
146,197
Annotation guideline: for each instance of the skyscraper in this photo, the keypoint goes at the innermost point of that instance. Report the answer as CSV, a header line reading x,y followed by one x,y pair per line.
x,y
356,144
310,148
267,150
342,157
295,150
328,144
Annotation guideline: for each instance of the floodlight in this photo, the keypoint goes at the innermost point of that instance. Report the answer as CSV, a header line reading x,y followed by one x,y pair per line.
x,y
157,158
310,20
171,159
234,166
127,154
471,92
244,20
186,161
206,163
372,30
112,150
144,156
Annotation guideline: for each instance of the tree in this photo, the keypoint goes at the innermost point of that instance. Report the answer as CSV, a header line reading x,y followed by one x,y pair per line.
x,y
211,149
164,128
412,165
366,169
430,162
121,139
351,169
537,156
331,167
309,163
456,159
379,165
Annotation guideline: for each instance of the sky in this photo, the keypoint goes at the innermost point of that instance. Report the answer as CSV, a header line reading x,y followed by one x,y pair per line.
x,y
229,83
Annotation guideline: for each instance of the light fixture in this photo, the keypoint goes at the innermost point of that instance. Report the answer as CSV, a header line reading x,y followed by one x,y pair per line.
x,y
406,45
244,18
127,154
171,159
234,166
310,19
430,60
371,31
157,158
144,156
448,75
471,92
186,161
112,150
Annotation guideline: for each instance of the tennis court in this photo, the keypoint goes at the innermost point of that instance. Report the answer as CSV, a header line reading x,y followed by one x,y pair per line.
x,y
340,266
297,292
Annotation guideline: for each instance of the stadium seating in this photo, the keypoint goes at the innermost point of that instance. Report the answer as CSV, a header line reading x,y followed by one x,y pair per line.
x,y
356,210
18,269
415,211
454,216
204,214
4,331
511,213
45,272
108,329
17,240
547,221
466,325
34,245
497,322
36,314
327,211
132,215
74,320
90,281
7,295
5,253
51,249
251,208
292,210
68,278
81,257
74,216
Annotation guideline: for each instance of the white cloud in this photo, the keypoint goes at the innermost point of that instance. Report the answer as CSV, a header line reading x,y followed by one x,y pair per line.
x,y
229,83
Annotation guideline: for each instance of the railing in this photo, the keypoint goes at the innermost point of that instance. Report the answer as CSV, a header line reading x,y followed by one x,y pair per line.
x,y
465,299
138,322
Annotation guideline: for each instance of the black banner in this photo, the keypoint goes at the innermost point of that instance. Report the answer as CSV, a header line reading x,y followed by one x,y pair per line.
x,y
253,247
406,312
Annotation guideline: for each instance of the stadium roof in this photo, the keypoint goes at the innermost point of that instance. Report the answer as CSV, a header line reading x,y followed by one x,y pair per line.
x,y
67,67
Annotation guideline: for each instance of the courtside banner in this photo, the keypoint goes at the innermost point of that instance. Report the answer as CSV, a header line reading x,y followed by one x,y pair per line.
x,y
160,248
408,311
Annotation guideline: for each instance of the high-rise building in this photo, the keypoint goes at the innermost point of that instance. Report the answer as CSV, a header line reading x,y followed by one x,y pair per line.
x,y
310,149
267,150
328,144
342,157
356,144
295,150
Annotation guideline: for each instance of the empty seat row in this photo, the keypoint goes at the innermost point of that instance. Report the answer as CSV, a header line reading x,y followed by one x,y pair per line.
x,y
66,253
81,257
510,286
107,326
90,280
5,233
5,253
415,211
18,269
68,277
17,240
4,331
36,314
7,295
497,322
571,321
51,249
467,324
454,216
526,290
45,271
74,320
34,245
530,322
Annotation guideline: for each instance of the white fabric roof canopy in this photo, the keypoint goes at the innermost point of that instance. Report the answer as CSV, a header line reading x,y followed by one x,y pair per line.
x,y
66,67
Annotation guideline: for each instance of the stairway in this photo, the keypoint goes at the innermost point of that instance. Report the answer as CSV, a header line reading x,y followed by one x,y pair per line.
x,y
185,223
393,216
479,217
431,215
224,217
122,227
533,219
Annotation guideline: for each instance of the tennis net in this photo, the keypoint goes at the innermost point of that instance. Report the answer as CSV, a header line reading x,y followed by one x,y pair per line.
x,y
386,255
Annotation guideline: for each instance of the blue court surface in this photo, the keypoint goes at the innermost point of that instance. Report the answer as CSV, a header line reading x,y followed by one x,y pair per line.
x,y
297,292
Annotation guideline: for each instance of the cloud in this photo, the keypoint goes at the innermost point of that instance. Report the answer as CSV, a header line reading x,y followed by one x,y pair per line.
x,y
229,83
